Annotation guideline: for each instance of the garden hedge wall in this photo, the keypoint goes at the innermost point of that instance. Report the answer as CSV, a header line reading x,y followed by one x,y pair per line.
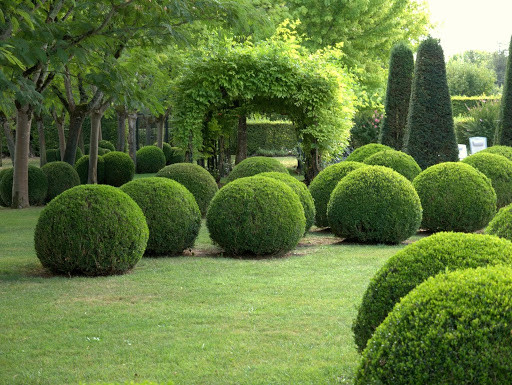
x,y
461,104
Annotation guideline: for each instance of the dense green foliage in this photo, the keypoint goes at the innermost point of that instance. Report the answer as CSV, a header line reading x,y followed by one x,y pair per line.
x,y
37,186
61,177
176,155
53,154
196,179
106,144
255,165
150,159
398,94
503,134
171,212
429,135
452,329
374,204
501,224
363,152
470,79
417,262
91,230
455,197
462,104
2,173
256,215
365,128
480,120
397,160
119,168
505,151
270,136
168,151
82,168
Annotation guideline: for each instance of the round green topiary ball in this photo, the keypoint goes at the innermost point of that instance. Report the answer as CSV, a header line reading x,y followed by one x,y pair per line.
x,y
37,186
302,192
167,149
363,152
399,161
455,197
107,145
82,168
2,173
374,204
322,185
150,159
255,165
501,224
417,262
256,215
177,155
196,179
119,168
505,151
171,212
452,329
61,177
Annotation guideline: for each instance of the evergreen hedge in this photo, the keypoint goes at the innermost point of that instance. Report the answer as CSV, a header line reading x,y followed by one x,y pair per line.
x,y
503,135
61,177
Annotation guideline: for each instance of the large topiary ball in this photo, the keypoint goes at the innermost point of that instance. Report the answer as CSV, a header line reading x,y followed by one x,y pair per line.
x,y
255,165
82,168
452,329
61,177
374,204
505,151
455,197
302,192
499,170
363,152
119,168
37,186
171,212
196,179
399,161
417,262
91,230
2,173
150,159
322,185
256,215
106,145
501,224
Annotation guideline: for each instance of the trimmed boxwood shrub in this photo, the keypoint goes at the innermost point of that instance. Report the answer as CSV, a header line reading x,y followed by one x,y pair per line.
x,y
171,212
91,230
177,155
322,185
101,150
106,145
501,224
363,152
417,262
37,186
399,161
196,179
301,190
167,149
255,165
61,177
455,197
150,159
452,329
499,170
53,155
505,151
256,215
119,168
374,204
2,173
82,168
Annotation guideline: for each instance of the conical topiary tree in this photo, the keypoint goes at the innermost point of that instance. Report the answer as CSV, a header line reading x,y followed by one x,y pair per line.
x,y
429,135
503,135
398,94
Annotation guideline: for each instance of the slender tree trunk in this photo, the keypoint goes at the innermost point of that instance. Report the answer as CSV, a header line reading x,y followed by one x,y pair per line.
x,y
1,152
42,140
241,148
8,136
312,165
148,124
62,136
121,129
76,119
166,124
132,140
20,180
222,157
189,155
93,146
160,122
81,142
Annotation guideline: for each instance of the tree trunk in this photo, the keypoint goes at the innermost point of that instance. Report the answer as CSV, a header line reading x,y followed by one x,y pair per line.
x,y
8,136
160,122
42,140
222,158
59,122
20,180
241,148
76,119
1,153
132,137
312,165
121,129
166,125
96,115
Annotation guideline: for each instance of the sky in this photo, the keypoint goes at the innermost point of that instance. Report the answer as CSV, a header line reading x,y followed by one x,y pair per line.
x,y
472,24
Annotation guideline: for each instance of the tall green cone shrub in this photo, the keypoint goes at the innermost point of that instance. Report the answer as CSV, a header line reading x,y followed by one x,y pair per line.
x,y
430,135
503,134
398,94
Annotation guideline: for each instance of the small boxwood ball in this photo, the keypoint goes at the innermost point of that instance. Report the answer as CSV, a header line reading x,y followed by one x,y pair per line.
x,y
37,186
255,165
171,212
119,168
363,152
452,329
150,159
501,224
167,149
301,190
399,161
177,155
82,168
256,215
322,185
455,197
61,177
91,230
416,263
2,202
505,151
106,145
374,204
196,179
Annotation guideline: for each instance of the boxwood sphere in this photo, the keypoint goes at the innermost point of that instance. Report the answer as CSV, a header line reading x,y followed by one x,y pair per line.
x,y
505,151
119,168
499,170
397,160
61,177
455,197
452,329
91,230
255,165
417,262
501,224
150,159
106,145
82,168
196,179
374,204
37,186
363,152
256,215
2,173
322,185
171,212
301,190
